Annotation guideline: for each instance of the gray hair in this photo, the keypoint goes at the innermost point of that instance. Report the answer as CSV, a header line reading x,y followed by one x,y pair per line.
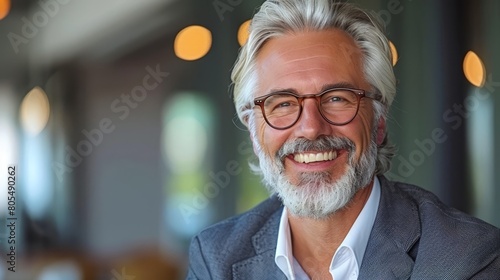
x,y
280,17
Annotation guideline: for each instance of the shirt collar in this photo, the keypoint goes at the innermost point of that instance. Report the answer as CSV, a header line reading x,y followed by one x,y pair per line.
x,y
284,254
356,239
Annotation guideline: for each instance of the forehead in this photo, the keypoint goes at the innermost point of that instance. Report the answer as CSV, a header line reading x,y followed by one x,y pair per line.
x,y
307,61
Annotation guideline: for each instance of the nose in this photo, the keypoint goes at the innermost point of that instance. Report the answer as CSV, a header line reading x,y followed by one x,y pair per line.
x,y
311,123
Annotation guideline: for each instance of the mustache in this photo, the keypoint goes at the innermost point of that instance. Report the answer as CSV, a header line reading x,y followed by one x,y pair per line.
x,y
322,144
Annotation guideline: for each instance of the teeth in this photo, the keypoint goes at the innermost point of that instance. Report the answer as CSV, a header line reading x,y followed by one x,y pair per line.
x,y
310,157
319,157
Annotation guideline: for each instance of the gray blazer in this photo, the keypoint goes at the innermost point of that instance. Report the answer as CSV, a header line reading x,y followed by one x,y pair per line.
x,y
414,236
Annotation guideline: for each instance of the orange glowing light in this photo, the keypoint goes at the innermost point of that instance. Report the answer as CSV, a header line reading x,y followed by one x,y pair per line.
x,y
474,69
394,52
192,42
4,8
243,32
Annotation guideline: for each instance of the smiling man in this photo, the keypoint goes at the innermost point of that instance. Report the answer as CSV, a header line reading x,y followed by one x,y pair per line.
x,y
314,84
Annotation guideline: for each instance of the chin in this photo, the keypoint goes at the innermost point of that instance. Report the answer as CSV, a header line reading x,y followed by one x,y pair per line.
x,y
317,196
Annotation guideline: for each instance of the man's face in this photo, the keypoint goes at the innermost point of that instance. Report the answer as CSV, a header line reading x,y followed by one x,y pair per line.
x,y
306,63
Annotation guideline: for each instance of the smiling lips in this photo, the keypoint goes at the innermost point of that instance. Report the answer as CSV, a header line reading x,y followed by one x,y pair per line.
x,y
314,157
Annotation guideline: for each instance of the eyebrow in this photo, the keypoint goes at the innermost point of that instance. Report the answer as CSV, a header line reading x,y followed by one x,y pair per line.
x,y
324,88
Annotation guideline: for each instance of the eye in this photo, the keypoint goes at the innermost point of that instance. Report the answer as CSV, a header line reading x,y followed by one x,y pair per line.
x,y
336,98
283,104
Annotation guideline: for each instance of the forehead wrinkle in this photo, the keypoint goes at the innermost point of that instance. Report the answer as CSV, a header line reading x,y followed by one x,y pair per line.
x,y
298,71
306,71
279,57
343,51
328,46
309,57
342,47
325,87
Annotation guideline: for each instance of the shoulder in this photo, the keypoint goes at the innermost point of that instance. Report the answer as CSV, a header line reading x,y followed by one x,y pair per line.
x,y
241,227
432,210
448,238
215,249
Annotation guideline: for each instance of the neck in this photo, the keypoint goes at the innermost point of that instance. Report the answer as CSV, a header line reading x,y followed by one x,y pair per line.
x,y
314,242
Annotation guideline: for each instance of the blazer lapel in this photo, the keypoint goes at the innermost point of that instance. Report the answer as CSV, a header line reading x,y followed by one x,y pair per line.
x,y
395,232
262,266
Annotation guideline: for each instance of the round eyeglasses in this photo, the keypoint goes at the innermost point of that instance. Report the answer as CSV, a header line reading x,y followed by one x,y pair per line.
x,y
338,106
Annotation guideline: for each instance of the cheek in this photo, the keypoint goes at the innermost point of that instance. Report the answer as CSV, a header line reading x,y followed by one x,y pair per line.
x,y
363,132
262,134
270,139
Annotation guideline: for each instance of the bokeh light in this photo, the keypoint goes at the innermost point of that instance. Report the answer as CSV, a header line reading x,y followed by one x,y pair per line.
x,y
474,69
185,133
192,42
4,8
243,32
35,111
394,52
186,143
38,184
63,270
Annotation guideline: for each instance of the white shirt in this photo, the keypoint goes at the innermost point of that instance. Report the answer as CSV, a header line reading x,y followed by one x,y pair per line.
x,y
347,259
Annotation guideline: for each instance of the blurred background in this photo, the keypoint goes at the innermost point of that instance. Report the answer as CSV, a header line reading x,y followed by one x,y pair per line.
x,y
118,119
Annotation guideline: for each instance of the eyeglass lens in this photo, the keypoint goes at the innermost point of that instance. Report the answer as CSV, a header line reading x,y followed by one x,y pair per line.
x,y
337,106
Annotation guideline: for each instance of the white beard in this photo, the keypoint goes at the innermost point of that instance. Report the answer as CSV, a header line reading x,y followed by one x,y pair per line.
x,y
317,195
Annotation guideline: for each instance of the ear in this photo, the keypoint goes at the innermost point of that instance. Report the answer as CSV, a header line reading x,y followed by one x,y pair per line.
x,y
381,129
